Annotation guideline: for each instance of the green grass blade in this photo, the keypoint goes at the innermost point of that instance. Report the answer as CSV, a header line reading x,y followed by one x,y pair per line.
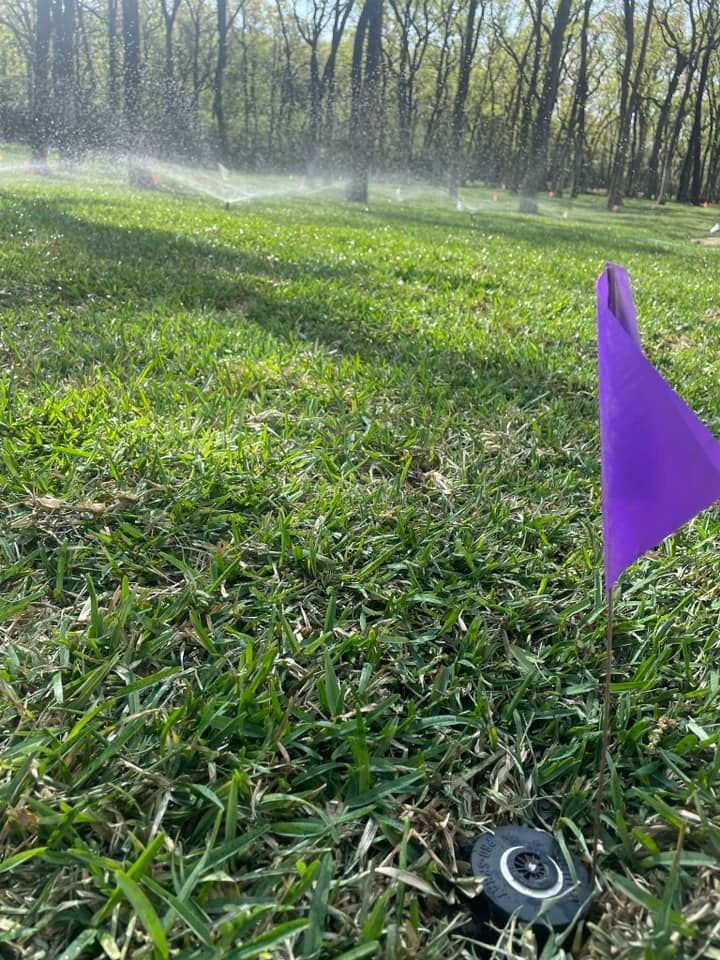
x,y
145,911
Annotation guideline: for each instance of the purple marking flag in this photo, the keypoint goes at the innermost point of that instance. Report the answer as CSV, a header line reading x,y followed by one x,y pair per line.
x,y
660,464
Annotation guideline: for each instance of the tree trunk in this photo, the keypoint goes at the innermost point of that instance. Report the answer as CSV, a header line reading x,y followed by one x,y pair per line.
x,y
168,23
614,195
246,85
712,156
365,89
341,15
524,131
695,145
85,73
441,82
669,152
536,171
113,95
253,103
65,79
220,64
134,139
628,105
287,88
40,114
357,187
315,119
654,170
404,141
171,117
581,94
639,144
516,137
468,45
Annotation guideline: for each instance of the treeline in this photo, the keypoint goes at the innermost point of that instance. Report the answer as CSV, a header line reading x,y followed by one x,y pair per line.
x,y
561,95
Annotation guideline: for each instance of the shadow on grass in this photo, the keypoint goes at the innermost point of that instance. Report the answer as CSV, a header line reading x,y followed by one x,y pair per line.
x,y
102,265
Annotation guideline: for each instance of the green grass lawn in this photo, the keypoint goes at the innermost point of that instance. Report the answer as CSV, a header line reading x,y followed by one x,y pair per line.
x,y
300,585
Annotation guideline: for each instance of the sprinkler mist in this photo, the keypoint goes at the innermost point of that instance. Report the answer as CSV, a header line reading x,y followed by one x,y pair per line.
x,y
12,169
146,172
231,188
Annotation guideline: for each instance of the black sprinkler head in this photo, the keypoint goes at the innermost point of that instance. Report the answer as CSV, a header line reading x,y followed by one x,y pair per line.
x,y
526,875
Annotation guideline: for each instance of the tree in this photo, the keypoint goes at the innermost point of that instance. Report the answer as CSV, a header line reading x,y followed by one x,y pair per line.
x,y
321,14
468,46
40,90
65,80
196,63
218,106
341,13
577,124
112,53
169,10
629,97
414,26
691,179
694,50
443,59
133,133
365,85
536,171
681,63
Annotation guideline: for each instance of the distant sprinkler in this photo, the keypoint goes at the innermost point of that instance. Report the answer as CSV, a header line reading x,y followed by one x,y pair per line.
x,y
224,172
714,228
565,215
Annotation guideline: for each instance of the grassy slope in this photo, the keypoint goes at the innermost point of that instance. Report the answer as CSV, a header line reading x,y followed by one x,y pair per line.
x,y
300,553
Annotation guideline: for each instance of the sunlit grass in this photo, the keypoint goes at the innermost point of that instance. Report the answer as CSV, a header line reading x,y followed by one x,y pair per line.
x,y
301,570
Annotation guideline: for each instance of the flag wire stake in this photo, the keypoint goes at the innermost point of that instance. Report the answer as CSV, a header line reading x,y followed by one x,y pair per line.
x,y
607,713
